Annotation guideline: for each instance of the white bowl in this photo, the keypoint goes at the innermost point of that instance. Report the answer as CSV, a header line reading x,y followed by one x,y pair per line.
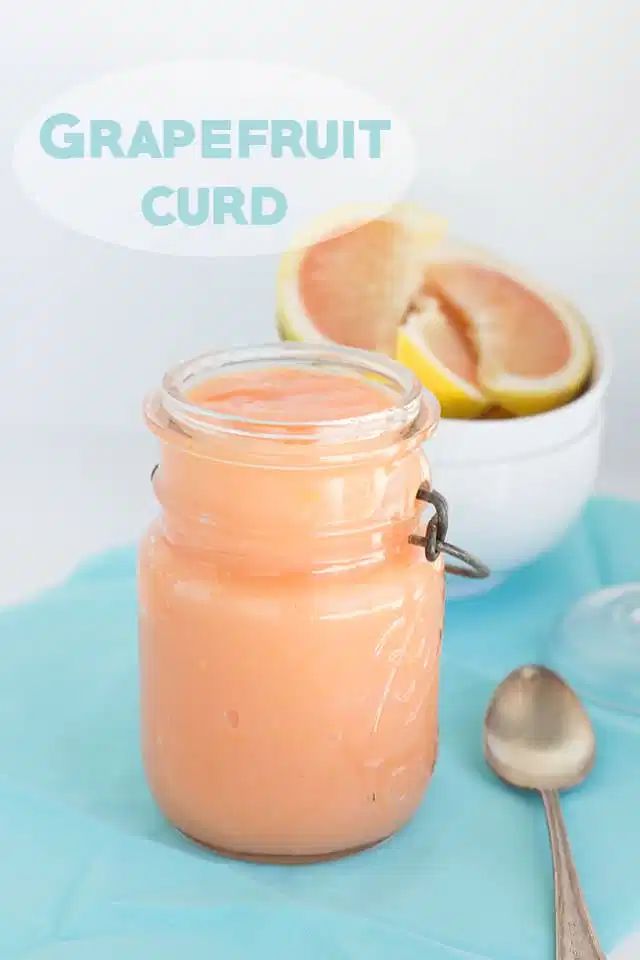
x,y
514,486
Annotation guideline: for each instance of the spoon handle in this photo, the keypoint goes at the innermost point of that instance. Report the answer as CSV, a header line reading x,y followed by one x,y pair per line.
x,y
575,936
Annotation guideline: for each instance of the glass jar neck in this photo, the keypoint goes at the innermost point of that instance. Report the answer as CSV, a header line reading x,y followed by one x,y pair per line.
x,y
409,415
291,496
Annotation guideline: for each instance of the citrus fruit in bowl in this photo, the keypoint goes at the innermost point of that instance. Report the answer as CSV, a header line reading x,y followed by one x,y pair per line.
x,y
480,334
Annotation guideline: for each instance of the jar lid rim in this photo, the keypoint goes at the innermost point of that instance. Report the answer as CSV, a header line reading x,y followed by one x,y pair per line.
x,y
415,408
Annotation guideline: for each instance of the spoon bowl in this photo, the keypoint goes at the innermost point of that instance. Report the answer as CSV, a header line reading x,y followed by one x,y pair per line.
x,y
537,734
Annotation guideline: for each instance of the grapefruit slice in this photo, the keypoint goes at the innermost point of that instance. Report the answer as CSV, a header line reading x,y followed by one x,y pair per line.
x,y
352,278
443,358
486,339
533,349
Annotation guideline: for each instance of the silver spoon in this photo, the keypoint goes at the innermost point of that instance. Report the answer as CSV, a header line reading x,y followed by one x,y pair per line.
x,y
538,736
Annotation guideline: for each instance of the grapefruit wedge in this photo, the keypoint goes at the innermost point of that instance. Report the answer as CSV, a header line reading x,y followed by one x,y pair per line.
x,y
533,350
443,358
351,279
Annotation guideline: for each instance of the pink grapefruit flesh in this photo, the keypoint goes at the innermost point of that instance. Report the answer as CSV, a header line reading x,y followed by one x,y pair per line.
x,y
355,287
451,345
523,332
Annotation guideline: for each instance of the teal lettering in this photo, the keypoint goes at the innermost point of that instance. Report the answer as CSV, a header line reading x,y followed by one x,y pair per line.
x,y
176,133
216,139
249,135
228,201
73,142
322,150
279,206
105,135
144,143
201,213
286,133
348,140
374,128
148,210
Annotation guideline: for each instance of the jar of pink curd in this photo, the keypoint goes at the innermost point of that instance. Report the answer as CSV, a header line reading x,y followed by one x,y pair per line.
x,y
290,623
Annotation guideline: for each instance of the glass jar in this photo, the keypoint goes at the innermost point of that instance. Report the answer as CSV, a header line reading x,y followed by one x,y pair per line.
x,y
289,630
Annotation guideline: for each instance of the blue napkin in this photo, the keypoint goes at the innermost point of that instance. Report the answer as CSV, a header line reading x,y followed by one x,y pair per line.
x,y
89,870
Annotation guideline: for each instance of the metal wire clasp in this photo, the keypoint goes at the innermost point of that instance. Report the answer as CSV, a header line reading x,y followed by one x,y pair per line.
x,y
434,541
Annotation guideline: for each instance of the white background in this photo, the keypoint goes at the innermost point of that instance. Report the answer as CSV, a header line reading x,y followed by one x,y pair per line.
x,y
524,115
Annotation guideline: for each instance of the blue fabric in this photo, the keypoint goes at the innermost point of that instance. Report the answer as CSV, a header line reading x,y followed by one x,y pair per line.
x,y
90,871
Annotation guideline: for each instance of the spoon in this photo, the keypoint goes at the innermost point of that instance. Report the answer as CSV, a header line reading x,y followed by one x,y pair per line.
x,y
538,736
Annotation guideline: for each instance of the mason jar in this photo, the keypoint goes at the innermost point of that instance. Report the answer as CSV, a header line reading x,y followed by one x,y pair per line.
x,y
290,622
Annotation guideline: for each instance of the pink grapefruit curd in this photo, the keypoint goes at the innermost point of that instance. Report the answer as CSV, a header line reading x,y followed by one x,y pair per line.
x,y
289,632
